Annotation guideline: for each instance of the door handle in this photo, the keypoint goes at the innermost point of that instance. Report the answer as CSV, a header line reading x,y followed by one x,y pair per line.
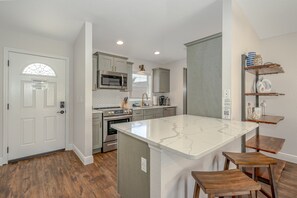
x,y
61,112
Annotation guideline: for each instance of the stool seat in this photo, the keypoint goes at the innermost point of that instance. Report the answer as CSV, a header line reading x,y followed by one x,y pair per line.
x,y
250,159
232,182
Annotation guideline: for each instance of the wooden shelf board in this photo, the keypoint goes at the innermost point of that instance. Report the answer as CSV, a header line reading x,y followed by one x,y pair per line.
x,y
268,119
265,69
265,94
266,143
263,172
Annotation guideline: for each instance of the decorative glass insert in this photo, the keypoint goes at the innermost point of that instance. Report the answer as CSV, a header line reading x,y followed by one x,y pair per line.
x,y
39,69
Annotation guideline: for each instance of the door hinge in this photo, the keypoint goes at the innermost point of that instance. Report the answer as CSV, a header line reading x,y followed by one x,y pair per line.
x,y
7,149
8,63
7,106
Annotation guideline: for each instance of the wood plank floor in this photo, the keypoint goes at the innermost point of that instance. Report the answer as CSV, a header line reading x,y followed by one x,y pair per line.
x,y
60,174
287,185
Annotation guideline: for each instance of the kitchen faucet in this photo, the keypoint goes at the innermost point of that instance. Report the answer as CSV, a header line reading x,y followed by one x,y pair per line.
x,y
142,99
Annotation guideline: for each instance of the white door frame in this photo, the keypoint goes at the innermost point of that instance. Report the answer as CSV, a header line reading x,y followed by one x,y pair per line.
x,y
68,145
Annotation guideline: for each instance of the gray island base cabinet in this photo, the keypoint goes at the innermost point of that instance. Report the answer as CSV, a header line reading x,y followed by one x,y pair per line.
x,y
156,157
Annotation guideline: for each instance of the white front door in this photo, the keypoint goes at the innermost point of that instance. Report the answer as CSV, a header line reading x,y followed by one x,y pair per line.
x,y
36,121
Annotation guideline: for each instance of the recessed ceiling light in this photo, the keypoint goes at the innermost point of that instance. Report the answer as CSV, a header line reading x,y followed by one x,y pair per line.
x,y
120,42
156,52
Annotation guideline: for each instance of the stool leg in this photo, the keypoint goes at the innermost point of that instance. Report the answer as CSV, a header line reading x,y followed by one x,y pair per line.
x,y
253,194
227,163
211,196
255,174
196,191
272,182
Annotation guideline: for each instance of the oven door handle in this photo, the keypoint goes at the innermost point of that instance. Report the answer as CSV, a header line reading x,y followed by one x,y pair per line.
x,y
117,117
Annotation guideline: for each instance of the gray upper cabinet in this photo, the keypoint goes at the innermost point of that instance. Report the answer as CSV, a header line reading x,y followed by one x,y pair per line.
x,y
113,63
204,77
129,70
95,73
120,65
105,62
161,80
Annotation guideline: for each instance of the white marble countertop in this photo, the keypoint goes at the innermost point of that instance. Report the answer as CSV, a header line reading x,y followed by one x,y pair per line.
x,y
189,136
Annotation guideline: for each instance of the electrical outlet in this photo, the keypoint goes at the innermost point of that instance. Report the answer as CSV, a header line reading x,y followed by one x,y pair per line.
x,y
143,164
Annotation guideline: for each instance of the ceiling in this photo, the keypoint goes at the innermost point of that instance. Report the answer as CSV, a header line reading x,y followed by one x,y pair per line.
x,y
144,25
271,17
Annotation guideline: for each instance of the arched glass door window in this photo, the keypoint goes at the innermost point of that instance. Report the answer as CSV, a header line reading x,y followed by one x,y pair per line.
x,y
39,69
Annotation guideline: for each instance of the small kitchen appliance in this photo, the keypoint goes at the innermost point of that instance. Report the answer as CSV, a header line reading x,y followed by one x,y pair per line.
x,y
112,80
162,101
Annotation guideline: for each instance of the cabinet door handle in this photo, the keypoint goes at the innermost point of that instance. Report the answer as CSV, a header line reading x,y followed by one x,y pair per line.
x,y
115,68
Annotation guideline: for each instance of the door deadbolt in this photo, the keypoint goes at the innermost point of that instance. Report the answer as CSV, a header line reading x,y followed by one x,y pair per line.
x,y
61,112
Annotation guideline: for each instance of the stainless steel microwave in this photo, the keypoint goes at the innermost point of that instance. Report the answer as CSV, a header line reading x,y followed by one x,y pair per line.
x,y
112,80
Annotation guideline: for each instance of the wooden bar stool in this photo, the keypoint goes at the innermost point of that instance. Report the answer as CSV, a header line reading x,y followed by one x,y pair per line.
x,y
224,183
253,160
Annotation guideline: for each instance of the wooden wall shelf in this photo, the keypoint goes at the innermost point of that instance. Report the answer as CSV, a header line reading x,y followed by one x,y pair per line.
x,y
265,143
265,94
265,69
268,119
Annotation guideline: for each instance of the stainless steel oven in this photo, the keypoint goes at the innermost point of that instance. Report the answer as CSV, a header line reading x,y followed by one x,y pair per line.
x,y
112,80
110,117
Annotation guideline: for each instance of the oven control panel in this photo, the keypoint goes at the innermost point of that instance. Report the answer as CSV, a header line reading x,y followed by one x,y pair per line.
x,y
118,112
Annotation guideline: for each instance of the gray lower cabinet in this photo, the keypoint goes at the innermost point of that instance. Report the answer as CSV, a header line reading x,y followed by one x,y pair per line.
x,y
137,118
97,131
145,114
169,111
147,117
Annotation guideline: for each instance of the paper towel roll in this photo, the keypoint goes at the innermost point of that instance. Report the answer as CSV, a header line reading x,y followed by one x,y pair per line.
x,y
155,100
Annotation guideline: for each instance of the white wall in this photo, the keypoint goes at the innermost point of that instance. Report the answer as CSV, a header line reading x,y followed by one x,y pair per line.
x,y
283,50
242,39
176,83
83,94
238,38
38,44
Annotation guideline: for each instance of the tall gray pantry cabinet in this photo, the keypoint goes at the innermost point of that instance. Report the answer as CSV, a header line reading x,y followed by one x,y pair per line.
x,y
204,76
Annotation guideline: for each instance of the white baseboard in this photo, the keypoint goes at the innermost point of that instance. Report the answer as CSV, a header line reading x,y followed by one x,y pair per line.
x,y
1,161
69,147
284,156
84,159
287,157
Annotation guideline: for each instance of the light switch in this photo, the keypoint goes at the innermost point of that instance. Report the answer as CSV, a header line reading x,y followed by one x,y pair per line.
x,y
143,165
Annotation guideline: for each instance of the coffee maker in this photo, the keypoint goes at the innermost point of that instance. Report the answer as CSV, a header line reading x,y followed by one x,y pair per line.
x,y
162,101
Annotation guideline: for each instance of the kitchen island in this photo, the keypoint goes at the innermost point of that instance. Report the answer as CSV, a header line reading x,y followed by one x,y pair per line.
x,y
156,157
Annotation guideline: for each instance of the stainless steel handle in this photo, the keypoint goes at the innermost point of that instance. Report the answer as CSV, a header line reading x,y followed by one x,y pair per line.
x,y
122,80
111,144
117,117
61,112
115,68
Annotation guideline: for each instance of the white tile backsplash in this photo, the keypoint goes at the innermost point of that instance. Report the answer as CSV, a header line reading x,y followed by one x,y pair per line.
x,y
108,97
